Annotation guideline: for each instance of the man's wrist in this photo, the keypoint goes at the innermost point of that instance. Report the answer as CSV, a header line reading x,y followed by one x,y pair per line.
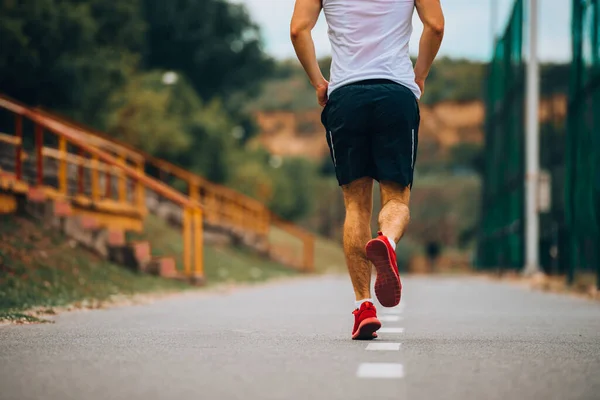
x,y
321,83
420,77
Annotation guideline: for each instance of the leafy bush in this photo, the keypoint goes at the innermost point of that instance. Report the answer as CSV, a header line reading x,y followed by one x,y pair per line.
x,y
294,188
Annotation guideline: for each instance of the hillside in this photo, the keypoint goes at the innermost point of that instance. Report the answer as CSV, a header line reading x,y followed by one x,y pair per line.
x,y
452,109
300,133
444,125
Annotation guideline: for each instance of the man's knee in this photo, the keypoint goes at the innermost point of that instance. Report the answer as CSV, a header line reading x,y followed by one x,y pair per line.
x,y
358,199
393,192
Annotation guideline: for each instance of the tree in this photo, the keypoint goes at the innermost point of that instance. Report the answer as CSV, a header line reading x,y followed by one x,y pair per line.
x,y
149,115
294,189
213,144
68,54
172,122
252,177
213,42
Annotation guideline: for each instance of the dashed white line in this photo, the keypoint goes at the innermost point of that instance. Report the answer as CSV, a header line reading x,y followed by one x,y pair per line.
x,y
390,318
384,370
383,347
399,309
380,371
391,330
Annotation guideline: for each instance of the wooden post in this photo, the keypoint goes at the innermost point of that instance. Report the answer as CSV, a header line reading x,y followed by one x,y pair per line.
x,y
187,242
198,245
241,211
62,167
209,204
140,191
80,171
108,183
194,190
19,147
39,145
122,181
95,180
309,253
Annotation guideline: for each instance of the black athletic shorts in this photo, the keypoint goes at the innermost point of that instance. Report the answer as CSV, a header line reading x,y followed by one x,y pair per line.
x,y
372,129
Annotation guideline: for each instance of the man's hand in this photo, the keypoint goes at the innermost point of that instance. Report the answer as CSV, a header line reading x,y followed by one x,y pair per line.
x,y
421,84
322,93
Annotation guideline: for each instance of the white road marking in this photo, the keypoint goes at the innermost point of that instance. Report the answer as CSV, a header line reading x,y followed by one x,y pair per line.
x,y
391,330
380,370
390,318
398,309
391,313
383,347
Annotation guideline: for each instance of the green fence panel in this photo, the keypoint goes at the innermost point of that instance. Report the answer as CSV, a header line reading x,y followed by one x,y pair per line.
x,y
570,230
501,227
582,186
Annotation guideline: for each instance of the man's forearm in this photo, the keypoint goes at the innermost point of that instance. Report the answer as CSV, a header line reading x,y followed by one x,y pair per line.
x,y
430,43
305,50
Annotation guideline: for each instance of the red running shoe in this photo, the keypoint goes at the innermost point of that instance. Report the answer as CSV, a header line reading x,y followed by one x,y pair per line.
x,y
388,287
365,322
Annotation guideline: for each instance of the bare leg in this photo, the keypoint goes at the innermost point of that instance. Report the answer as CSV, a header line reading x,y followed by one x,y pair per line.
x,y
358,198
395,214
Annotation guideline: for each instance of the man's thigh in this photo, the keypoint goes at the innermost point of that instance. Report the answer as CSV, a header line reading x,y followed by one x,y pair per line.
x,y
395,134
347,123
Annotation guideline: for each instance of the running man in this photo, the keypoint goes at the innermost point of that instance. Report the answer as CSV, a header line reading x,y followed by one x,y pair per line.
x,y
371,117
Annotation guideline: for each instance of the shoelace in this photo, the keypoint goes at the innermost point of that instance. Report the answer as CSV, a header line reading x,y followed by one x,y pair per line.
x,y
367,306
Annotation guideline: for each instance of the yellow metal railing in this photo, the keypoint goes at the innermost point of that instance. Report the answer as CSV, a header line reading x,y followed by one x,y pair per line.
x,y
219,205
86,157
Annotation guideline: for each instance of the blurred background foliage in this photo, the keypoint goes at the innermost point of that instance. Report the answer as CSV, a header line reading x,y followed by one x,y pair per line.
x,y
112,65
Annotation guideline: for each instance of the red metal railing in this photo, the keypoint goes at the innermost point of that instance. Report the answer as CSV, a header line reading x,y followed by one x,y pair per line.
x,y
222,206
94,160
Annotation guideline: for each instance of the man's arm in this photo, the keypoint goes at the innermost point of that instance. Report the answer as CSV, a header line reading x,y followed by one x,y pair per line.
x,y
306,14
430,13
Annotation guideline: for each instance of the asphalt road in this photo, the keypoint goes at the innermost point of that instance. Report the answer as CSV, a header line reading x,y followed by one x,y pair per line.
x,y
454,338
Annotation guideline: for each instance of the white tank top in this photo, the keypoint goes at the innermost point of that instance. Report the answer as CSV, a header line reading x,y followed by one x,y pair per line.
x,y
369,40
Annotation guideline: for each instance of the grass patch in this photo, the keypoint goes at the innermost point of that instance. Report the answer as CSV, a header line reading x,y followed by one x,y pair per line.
x,y
20,318
329,255
222,264
239,264
40,268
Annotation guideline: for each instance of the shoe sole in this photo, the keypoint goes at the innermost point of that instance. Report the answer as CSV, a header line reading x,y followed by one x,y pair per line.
x,y
388,288
366,330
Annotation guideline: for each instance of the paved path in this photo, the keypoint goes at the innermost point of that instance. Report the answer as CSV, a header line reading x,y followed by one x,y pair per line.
x,y
463,338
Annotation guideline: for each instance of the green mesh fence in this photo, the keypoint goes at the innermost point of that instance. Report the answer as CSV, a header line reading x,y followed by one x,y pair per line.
x,y
582,186
570,229
554,234
501,229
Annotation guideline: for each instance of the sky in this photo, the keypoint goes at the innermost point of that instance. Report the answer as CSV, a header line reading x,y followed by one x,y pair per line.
x,y
468,28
